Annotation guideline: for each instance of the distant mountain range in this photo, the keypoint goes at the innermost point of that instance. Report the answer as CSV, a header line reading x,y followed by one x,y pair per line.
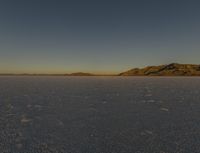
x,y
173,69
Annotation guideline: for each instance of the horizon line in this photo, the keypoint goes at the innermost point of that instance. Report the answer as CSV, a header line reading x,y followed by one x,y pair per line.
x,y
81,73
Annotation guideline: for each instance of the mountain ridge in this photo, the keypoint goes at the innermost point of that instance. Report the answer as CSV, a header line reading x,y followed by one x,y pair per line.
x,y
173,69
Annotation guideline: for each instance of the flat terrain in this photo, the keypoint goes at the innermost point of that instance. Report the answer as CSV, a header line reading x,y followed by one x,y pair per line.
x,y
99,114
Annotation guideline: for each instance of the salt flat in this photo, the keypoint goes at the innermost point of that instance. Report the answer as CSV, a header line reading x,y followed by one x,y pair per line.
x,y
99,114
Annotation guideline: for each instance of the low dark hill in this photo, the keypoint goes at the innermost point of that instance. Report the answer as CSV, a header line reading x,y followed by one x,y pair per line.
x,y
80,74
173,69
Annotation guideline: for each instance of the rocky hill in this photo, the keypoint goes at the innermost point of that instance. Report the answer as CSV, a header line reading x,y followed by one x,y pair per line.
x,y
173,69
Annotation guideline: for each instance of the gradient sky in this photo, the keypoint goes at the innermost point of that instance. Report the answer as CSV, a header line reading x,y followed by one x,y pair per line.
x,y
104,36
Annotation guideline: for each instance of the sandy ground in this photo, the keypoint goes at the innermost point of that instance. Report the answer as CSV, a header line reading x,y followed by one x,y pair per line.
x,y
99,115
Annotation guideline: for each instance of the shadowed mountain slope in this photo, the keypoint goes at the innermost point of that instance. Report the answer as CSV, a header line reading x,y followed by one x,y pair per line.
x,y
173,69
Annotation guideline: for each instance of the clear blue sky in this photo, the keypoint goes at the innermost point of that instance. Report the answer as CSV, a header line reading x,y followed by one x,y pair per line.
x,y
100,36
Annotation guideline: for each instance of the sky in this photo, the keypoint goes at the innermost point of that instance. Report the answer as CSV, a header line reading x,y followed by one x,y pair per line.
x,y
98,36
